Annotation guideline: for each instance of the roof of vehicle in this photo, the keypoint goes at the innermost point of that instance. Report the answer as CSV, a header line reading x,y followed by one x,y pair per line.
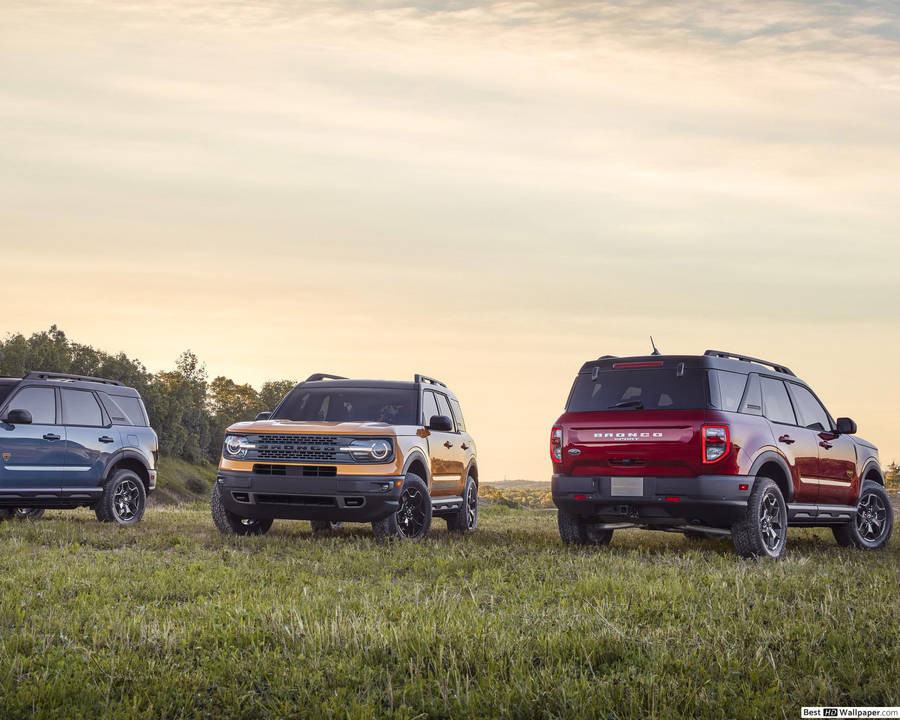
x,y
322,380
84,382
711,359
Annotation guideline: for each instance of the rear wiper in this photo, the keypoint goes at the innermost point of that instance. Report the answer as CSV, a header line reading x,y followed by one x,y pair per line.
x,y
636,404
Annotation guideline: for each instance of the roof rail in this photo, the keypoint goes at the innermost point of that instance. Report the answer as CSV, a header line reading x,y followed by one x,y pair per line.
x,y
66,376
746,358
607,357
429,380
315,377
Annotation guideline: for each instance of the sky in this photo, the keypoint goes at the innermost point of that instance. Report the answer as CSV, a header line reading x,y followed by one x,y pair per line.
x,y
490,193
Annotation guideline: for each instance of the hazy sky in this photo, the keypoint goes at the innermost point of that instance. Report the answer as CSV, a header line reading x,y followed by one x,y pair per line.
x,y
490,193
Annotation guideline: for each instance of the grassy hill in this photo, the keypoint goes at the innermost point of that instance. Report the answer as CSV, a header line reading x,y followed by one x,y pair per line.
x,y
169,619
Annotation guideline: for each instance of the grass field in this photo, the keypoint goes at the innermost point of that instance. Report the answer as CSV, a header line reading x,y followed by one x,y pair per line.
x,y
170,620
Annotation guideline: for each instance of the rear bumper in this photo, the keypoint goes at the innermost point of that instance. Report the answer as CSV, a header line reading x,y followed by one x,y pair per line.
x,y
711,500
338,499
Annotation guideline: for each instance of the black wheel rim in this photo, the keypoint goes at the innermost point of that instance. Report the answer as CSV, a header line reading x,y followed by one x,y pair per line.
x,y
472,506
25,513
411,516
772,521
871,517
126,500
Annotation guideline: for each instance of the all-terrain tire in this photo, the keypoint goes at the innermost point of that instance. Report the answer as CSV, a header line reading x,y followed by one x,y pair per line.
x,y
28,513
763,530
325,526
124,499
465,520
230,524
874,522
575,530
413,519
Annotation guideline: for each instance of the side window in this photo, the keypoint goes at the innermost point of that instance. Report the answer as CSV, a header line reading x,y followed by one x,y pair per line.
x,y
778,404
752,404
130,408
444,406
810,411
731,389
429,406
39,401
80,407
457,412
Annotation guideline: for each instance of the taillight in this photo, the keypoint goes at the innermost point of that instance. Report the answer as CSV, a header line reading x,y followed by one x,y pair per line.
x,y
556,442
716,443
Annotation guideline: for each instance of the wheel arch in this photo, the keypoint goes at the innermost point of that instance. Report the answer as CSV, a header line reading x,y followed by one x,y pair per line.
x,y
773,466
473,470
872,471
129,460
417,463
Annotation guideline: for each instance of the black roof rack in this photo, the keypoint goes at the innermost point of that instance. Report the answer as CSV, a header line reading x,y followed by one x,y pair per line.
x,y
66,376
315,377
746,358
429,380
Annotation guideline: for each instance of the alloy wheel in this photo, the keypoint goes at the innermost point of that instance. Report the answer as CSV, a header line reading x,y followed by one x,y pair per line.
x,y
126,499
772,522
871,517
471,506
411,516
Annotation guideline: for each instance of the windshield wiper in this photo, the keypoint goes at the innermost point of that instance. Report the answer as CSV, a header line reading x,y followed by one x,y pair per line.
x,y
633,404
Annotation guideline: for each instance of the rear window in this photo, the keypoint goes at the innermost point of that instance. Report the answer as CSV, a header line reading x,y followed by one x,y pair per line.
x,y
654,389
388,405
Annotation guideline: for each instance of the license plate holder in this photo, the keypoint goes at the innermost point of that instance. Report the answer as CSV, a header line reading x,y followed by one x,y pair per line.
x,y
626,486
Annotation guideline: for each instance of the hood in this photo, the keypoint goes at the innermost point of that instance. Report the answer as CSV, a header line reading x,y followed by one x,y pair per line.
x,y
313,427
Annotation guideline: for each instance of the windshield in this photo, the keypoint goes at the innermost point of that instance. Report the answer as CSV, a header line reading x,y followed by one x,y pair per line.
x,y
661,389
388,405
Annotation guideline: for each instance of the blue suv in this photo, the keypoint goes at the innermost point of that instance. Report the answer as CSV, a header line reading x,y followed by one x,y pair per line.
x,y
70,441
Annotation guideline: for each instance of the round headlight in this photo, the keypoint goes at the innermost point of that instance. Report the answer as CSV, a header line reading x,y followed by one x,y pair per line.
x,y
236,445
380,449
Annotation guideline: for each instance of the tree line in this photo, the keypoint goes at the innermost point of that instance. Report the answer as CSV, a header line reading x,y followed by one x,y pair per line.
x,y
188,411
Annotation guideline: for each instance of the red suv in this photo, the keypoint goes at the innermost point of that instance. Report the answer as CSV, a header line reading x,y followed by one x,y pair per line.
x,y
711,446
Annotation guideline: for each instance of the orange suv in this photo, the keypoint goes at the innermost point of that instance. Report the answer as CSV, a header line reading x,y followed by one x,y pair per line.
x,y
395,454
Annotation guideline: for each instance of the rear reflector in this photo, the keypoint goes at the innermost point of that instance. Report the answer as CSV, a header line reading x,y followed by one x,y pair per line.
x,y
743,486
645,364
581,497
673,499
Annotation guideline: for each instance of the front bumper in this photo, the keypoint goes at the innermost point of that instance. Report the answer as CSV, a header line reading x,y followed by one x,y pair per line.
x,y
350,498
710,500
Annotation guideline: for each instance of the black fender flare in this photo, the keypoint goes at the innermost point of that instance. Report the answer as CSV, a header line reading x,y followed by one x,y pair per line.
x,y
125,454
417,454
772,456
473,464
868,465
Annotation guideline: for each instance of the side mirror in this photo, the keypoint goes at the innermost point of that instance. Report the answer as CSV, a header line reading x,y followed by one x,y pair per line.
x,y
440,423
18,417
264,416
845,426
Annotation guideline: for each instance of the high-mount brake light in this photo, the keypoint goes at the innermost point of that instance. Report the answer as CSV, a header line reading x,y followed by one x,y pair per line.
x,y
556,442
716,442
642,364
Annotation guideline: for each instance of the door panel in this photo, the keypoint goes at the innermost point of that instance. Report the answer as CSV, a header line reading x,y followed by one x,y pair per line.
x,y
799,445
839,484
89,444
32,457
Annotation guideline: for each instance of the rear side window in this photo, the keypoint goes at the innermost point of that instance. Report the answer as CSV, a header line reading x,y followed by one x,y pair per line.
x,y
752,404
778,404
457,412
126,410
39,401
657,389
731,389
810,412
80,407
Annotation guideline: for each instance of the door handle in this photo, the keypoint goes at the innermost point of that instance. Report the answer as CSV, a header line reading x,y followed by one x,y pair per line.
x,y
106,439
51,436
787,440
825,444
464,446
448,444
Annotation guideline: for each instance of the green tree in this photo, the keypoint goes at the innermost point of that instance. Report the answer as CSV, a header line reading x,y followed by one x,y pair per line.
x,y
229,403
273,391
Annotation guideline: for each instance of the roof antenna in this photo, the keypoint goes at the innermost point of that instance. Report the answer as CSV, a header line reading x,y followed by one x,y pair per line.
x,y
655,351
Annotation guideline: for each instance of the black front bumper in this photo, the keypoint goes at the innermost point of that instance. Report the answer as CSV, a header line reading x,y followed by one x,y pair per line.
x,y
348,498
711,500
